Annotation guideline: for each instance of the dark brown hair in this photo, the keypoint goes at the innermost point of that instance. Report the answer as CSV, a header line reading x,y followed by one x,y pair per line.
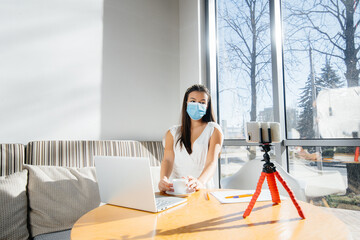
x,y
185,130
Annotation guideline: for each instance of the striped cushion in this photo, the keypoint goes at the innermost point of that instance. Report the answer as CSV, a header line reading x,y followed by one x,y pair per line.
x,y
80,153
154,150
11,158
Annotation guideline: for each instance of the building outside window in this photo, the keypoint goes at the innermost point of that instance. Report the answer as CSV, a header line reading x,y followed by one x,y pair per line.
x,y
320,67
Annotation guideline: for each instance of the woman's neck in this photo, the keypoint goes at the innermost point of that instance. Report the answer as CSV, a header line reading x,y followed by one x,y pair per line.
x,y
197,123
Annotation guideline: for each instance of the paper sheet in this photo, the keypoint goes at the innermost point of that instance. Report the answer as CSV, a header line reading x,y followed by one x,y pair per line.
x,y
265,195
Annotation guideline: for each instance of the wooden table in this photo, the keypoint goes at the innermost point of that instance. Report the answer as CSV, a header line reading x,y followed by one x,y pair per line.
x,y
208,219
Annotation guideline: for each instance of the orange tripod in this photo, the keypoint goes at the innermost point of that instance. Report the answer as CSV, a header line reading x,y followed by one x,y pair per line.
x,y
269,172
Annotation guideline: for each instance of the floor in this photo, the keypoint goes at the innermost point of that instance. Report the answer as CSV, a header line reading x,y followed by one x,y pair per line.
x,y
350,218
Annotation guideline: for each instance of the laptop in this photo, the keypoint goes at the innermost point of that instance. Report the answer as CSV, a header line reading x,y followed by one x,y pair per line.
x,y
127,182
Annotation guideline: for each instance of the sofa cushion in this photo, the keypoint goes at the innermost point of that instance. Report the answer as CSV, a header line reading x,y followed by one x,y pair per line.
x,y
81,153
61,235
154,150
13,206
58,196
11,158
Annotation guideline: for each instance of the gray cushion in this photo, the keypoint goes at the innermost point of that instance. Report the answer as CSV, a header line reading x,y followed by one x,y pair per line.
x,y
13,206
58,196
62,235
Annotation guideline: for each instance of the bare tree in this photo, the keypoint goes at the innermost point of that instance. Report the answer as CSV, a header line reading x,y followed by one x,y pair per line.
x,y
333,26
248,42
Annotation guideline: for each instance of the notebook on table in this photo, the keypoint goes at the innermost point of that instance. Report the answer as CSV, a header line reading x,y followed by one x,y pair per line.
x,y
127,182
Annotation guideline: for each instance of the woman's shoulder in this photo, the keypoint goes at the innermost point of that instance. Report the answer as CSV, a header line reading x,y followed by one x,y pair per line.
x,y
174,129
214,125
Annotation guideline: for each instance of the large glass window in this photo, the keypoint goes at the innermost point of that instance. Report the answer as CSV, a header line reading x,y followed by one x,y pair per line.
x,y
321,56
331,176
244,65
318,86
321,66
234,157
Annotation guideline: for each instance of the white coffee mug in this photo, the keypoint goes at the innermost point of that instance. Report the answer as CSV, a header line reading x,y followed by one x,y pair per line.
x,y
179,185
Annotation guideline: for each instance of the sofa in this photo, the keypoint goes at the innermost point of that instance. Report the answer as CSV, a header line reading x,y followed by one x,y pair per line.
x,y
45,186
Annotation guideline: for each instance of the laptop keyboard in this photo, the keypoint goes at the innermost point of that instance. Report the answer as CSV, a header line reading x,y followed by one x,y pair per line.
x,y
165,202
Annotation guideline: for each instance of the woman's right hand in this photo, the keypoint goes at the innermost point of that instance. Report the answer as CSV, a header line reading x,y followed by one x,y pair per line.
x,y
165,185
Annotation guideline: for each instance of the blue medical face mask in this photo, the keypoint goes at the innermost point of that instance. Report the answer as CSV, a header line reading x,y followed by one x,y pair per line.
x,y
196,110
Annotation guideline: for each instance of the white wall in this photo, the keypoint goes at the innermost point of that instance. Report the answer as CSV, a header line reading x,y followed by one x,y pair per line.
x,y
153,51
192,44
140,90
50,69
96,69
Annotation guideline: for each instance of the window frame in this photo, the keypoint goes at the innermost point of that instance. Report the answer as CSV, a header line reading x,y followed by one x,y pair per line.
x,y
278,83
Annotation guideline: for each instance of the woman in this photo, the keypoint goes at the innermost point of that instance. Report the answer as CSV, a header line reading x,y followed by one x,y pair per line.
x,y
192,149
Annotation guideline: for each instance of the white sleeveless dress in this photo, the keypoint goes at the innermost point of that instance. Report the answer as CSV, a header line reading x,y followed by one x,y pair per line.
x,y
192,165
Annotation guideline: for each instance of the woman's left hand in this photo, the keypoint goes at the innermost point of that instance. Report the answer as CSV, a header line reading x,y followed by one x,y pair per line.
x,y
194,183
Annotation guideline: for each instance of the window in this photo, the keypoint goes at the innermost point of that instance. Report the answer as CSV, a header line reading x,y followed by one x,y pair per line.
x,y
311,88
244,65
321,69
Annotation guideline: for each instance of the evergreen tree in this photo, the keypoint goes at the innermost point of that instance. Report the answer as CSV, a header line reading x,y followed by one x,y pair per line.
x,y
305,124
328,79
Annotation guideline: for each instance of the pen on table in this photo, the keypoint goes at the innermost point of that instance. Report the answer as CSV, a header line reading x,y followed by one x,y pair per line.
x,y
207,197
240,196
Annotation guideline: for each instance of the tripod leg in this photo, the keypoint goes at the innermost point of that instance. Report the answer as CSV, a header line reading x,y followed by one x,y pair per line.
x,y
270,177
255,196
291,194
